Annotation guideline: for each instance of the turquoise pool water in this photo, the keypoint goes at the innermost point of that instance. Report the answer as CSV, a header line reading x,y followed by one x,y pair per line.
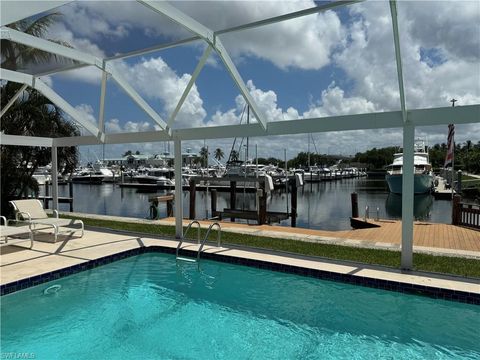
x,y
145,307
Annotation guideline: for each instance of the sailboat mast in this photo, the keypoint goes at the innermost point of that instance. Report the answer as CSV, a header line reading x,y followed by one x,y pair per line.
x,y
308,152
248,122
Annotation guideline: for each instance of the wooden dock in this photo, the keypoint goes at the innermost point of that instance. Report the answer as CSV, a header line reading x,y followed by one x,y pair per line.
x,y
428,235
424,234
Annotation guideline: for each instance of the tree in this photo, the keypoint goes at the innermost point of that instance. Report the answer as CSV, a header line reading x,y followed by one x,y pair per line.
x,y
219,154
127,153
204,156
15,55
32,114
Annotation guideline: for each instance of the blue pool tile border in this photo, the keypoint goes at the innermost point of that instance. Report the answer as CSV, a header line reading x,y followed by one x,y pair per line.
x,y
433,292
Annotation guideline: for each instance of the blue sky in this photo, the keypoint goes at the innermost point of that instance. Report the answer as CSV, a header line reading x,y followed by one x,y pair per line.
x,y
333,63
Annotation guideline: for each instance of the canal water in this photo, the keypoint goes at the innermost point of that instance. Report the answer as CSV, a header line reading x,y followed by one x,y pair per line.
x,y
324,205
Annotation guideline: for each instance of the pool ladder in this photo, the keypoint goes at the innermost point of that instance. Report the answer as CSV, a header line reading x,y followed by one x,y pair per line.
x,y
197,259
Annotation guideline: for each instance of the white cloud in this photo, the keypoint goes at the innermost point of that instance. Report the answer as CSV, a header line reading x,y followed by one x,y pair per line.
x,y
154,79
450,25
90,74
132,126
91,24
305,43
362,48
369,58
113,126
334,102
87,112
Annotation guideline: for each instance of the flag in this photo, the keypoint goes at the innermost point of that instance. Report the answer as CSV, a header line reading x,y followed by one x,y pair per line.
x,y
450,146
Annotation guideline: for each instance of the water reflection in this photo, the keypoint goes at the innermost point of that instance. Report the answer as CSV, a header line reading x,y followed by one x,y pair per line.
x,y
320,205
422,205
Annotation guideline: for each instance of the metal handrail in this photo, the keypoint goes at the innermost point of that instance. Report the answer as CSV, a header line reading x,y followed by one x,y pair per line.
x,y
219,234
198,230
185,235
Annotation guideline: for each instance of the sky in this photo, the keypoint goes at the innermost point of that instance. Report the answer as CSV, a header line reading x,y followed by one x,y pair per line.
x,y
331,63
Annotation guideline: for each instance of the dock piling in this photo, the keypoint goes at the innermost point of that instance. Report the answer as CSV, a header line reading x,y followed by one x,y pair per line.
x,y
456,209
193,192
293,199
170,208
354,199
233,197
213,202
262,206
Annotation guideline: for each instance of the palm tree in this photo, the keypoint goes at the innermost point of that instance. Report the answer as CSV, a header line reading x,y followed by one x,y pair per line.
x,y
16,56
219,154
204,155
32,114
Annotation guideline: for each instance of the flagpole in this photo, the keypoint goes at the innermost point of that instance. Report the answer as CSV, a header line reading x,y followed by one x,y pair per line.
x,y
453,101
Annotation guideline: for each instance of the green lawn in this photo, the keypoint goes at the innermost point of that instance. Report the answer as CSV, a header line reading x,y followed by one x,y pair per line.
x,y
422,262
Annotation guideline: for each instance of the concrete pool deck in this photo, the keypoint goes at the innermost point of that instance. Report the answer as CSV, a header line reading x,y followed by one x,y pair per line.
x,y
19,263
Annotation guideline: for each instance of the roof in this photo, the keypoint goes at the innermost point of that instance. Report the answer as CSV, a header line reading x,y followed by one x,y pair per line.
x,y
188,30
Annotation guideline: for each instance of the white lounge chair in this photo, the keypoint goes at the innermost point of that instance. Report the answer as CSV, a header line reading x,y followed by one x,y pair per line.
x,y
31,210
10,231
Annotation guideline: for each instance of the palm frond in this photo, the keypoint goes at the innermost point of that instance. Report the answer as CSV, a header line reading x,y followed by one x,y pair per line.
x,y
16,56
40,26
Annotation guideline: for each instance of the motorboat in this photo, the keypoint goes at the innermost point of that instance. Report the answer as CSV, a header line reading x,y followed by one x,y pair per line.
x,y
156,176
423,175
242,169
108,174
316,173
87,176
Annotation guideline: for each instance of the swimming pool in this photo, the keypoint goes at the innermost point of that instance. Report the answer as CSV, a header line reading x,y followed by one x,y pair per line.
x,y
148,307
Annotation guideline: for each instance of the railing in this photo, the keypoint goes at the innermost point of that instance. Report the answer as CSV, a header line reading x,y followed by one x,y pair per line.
x,y
465,214
219,235
185,235
469,215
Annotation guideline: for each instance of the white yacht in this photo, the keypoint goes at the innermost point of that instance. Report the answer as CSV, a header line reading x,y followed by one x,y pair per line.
x,y
316,172
157,176
100,169
423,176
87,175
241,169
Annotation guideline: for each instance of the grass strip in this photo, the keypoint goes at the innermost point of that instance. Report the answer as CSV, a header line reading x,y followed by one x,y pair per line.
x,y
421,262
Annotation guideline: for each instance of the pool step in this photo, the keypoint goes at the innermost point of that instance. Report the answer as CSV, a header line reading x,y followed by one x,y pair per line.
x,y
186,259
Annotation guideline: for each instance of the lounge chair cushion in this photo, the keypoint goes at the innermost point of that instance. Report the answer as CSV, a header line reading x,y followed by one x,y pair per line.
x,y
7,231
31,206
13,230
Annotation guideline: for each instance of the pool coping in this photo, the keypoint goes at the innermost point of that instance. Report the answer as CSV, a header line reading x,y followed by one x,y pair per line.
x,y
276,261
